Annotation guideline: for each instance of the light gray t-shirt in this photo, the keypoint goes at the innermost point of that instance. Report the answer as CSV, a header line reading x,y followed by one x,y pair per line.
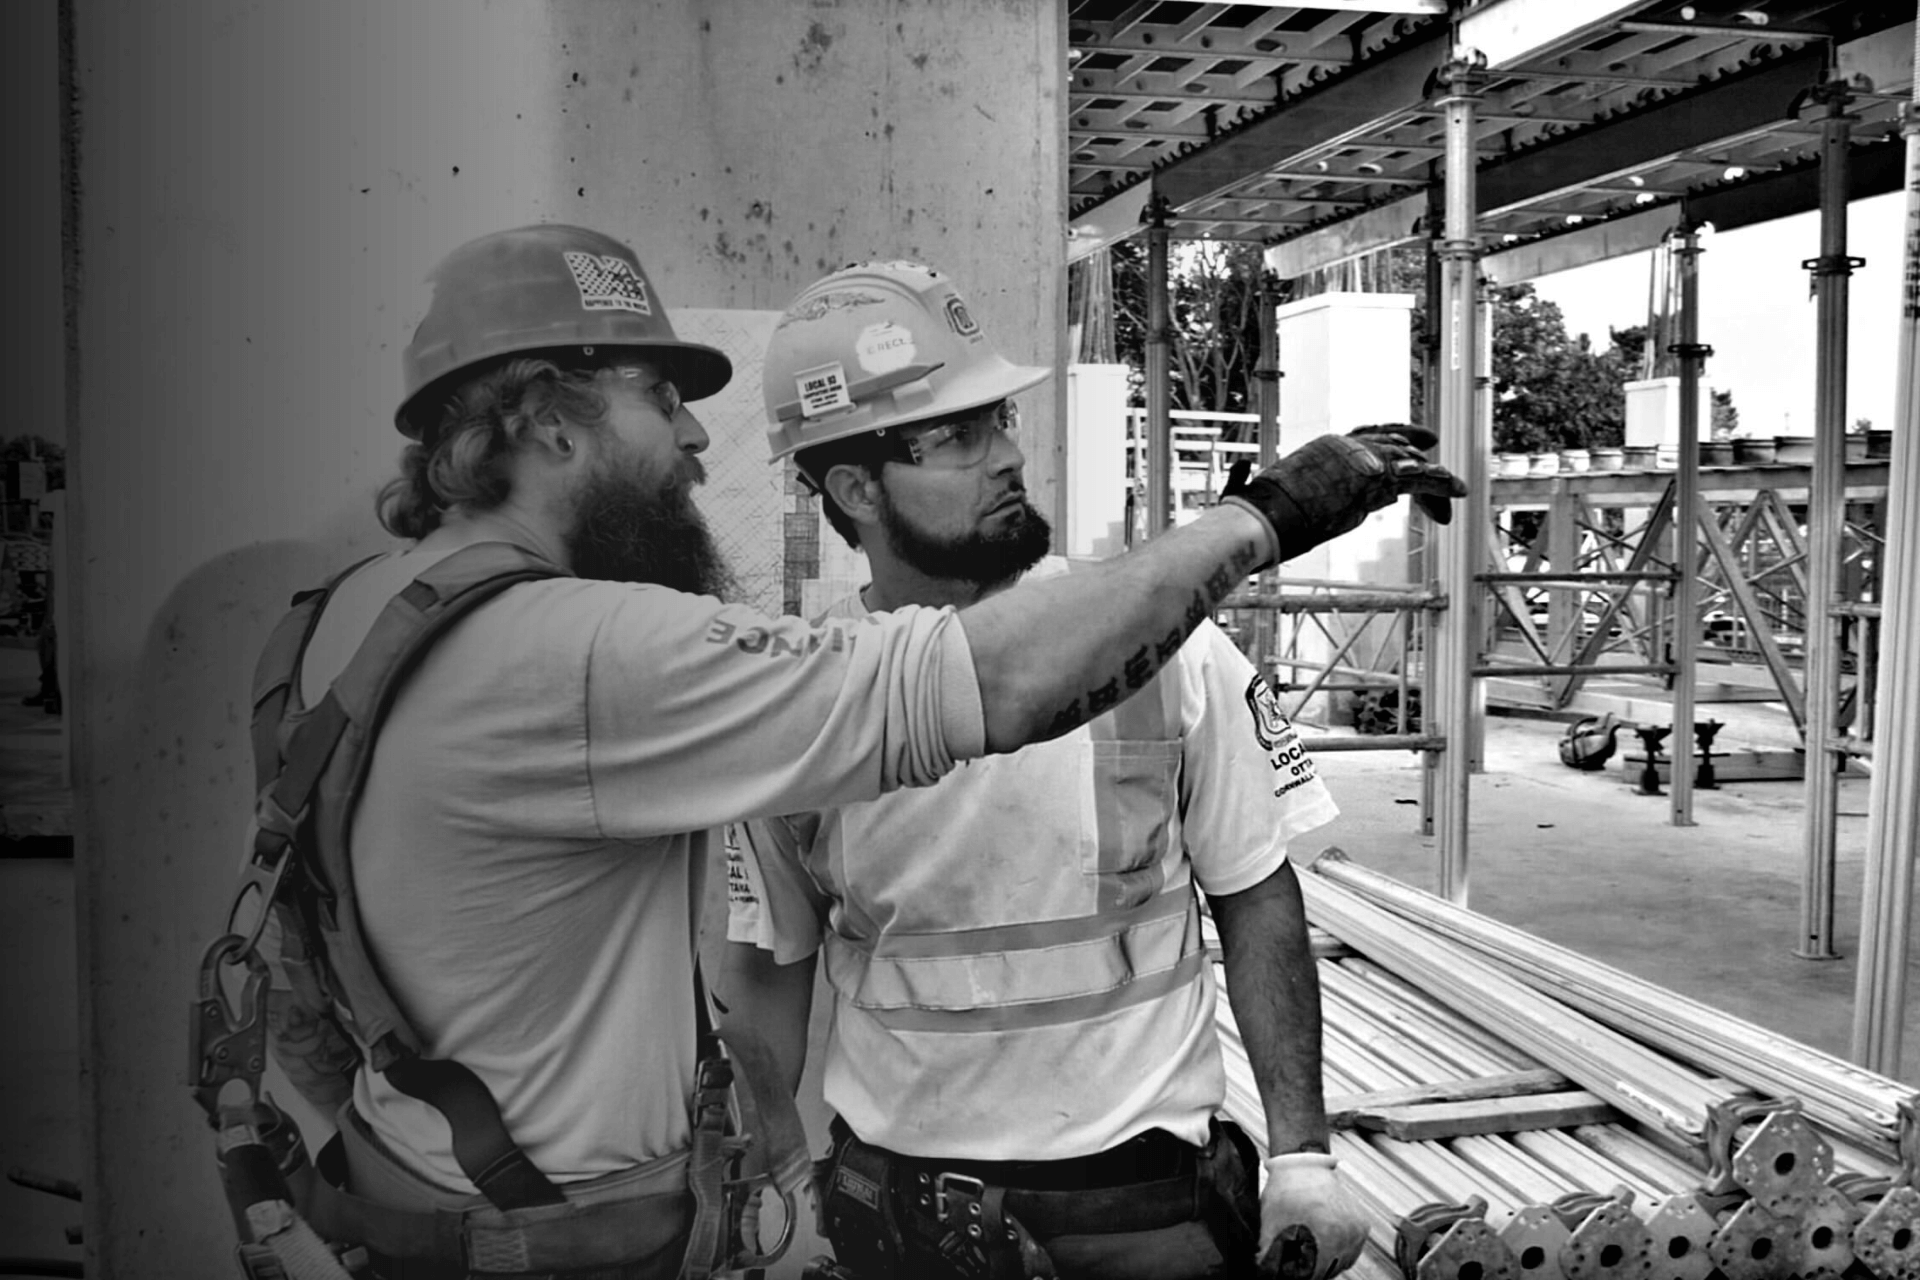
x,y
529,844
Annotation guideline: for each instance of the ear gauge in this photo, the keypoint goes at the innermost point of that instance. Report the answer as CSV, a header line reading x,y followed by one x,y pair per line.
x,y
563,444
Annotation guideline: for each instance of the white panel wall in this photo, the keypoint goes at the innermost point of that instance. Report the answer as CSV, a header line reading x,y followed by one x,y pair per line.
x,y
1096,497
1345,363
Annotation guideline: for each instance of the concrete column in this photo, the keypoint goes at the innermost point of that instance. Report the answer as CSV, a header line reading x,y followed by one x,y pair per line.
x,y
259,190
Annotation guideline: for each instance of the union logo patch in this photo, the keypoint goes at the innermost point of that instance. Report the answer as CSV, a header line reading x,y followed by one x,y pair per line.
x,y
1269,721
959,318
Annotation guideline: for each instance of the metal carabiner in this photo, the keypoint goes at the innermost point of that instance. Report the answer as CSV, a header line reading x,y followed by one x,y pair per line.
x,y
224,1045
266,867
751,1261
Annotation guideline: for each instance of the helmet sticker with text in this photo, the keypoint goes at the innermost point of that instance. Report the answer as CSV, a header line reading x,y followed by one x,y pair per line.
x,y
607,283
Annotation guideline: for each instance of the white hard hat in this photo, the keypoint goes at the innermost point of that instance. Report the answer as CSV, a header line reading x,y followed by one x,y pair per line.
x,y
874,346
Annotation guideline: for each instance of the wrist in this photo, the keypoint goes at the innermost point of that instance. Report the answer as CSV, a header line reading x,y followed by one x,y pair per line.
x,y
1299,1160
1270,537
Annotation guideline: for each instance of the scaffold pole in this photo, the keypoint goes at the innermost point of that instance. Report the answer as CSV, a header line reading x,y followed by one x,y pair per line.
x,y
1462,544
1686,529
1159,389
1893,798
1826,508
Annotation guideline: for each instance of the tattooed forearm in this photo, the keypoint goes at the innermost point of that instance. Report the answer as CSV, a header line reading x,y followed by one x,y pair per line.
x,y
1140,667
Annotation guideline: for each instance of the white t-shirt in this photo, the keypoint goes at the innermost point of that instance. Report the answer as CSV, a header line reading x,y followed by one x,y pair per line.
x,y
1014,951
528,843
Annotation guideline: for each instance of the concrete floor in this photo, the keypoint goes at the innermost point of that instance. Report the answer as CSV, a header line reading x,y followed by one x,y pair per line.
x,y
1711,911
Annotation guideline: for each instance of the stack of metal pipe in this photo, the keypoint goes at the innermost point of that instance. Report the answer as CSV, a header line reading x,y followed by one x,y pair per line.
x,y
1512,1111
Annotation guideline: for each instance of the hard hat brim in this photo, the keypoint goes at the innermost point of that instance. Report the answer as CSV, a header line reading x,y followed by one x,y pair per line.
x,y
991,379
697,370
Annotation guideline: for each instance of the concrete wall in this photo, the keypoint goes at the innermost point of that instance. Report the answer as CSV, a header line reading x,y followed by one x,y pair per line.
x,y
261,185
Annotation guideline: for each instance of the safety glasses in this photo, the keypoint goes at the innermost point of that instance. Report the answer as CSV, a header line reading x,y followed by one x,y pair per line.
x,y
664,394
957,441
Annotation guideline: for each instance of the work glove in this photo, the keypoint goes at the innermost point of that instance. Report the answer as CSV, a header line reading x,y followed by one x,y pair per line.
x,y
1311,1224
1329,485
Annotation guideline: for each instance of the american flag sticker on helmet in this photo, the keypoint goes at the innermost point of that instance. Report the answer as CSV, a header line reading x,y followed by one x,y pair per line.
x,y
608,283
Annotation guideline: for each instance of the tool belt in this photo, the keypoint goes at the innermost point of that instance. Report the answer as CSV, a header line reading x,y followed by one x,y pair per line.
x,y
894,1215
631,1225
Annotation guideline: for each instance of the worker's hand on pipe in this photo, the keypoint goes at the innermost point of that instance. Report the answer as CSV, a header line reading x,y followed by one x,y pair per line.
x,y
1305,1190
1329,485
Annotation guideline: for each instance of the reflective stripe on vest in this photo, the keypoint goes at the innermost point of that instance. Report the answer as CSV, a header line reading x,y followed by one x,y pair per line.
x,y
1141,943
1092,966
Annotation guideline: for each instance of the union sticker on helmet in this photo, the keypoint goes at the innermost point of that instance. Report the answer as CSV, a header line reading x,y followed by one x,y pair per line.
x,y
884,347
822,389
959,318
607,283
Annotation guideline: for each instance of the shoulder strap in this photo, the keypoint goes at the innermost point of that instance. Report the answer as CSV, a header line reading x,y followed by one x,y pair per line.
x,y
307,804
279,667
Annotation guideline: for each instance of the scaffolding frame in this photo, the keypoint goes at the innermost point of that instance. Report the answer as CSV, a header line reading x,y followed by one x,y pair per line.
x,y
1450,561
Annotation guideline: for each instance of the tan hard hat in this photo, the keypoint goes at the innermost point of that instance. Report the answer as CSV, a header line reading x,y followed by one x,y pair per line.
x,y
562,293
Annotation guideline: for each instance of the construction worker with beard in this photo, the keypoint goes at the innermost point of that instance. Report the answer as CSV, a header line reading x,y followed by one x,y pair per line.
x,y
1022,1000
500,840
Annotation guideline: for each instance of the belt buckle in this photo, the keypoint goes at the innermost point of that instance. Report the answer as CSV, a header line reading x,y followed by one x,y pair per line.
x,y
966,1184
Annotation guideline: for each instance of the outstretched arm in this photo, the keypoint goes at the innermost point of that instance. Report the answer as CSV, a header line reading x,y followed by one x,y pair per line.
x,y
1052,654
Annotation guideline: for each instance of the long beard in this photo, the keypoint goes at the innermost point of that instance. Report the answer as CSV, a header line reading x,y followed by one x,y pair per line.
x,y
984,559
628,530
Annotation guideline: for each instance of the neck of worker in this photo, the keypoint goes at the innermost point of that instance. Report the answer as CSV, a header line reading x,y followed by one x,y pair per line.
x,y
896,583
526,525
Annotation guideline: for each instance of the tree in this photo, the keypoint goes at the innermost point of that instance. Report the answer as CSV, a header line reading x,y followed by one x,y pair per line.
x,y
1552,391
1213,298
1726,418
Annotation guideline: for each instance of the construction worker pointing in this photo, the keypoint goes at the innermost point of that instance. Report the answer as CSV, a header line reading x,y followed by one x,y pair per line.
x,y
1023,1008
488,760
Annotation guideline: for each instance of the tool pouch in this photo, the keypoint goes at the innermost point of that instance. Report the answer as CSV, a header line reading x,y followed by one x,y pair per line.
x,y
1228,1194
856,1197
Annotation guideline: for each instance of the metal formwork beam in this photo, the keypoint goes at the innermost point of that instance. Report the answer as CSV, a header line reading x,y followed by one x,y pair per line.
x,y
1893,804
1349,106
1742,103
1449,673
1826,510
1511,31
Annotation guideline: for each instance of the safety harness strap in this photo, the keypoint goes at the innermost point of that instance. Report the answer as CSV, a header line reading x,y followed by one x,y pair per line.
x,y
485,1152
311,766
574,1236
321,756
